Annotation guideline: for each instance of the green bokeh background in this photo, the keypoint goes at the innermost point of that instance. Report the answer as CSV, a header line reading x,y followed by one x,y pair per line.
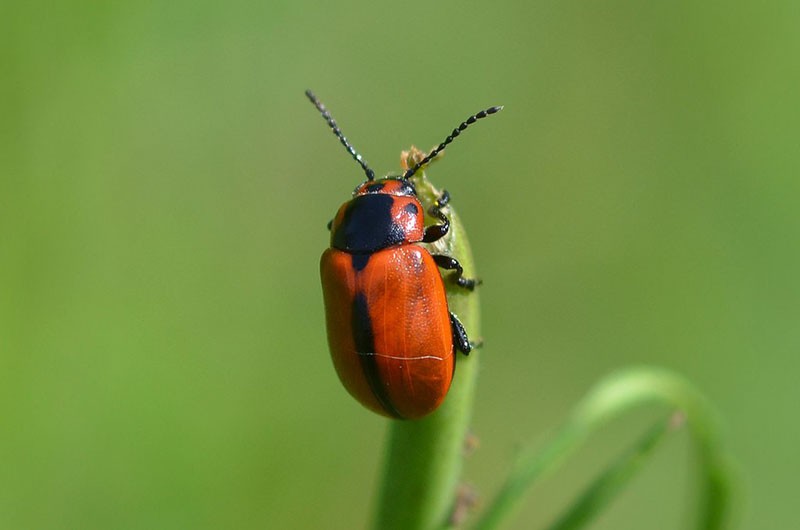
x,y
164,190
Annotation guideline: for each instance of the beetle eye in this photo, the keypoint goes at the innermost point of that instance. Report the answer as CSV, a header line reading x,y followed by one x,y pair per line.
x,y
375,188
393,185
408,188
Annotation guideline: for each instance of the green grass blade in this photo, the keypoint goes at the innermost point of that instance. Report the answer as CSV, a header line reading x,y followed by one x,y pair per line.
x,y
612,481
612,397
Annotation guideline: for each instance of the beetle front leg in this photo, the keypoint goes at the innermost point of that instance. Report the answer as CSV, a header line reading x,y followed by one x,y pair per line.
x,y
437,232
450,263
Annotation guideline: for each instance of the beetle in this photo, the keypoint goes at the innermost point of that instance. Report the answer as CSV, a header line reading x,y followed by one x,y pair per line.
x,y
391,335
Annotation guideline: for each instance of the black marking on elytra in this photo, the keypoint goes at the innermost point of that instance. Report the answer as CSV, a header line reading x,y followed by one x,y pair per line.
x,y
364,339
411,208
338,132
367,225
360,261
453,135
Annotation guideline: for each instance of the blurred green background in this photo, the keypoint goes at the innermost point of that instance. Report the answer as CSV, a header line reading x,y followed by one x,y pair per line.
x,y
164,190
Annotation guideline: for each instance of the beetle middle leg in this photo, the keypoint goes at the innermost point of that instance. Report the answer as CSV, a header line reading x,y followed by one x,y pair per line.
x,y
436,232
450,263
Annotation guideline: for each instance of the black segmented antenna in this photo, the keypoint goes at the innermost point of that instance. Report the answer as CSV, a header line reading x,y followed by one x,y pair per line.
x,y
338,132
453,135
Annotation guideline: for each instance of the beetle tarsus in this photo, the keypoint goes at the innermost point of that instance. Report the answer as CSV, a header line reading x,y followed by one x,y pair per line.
x,y
443,199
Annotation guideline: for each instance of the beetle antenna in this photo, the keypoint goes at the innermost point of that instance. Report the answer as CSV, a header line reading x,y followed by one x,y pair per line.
x,y
338,132
453,135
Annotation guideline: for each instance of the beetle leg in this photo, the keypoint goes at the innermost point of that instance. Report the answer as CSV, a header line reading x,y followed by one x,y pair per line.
x,y
460,340
443,199
450,263
330,224
437,232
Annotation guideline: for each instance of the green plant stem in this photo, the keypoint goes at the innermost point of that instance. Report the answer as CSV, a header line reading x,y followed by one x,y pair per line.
x,y
612,397
424,458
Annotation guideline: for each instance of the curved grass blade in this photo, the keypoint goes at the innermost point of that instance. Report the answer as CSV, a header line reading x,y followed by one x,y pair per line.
x,y
609,399
614,479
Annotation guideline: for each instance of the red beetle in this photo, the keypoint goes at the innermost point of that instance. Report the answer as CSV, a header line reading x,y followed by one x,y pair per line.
x,y
391,335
